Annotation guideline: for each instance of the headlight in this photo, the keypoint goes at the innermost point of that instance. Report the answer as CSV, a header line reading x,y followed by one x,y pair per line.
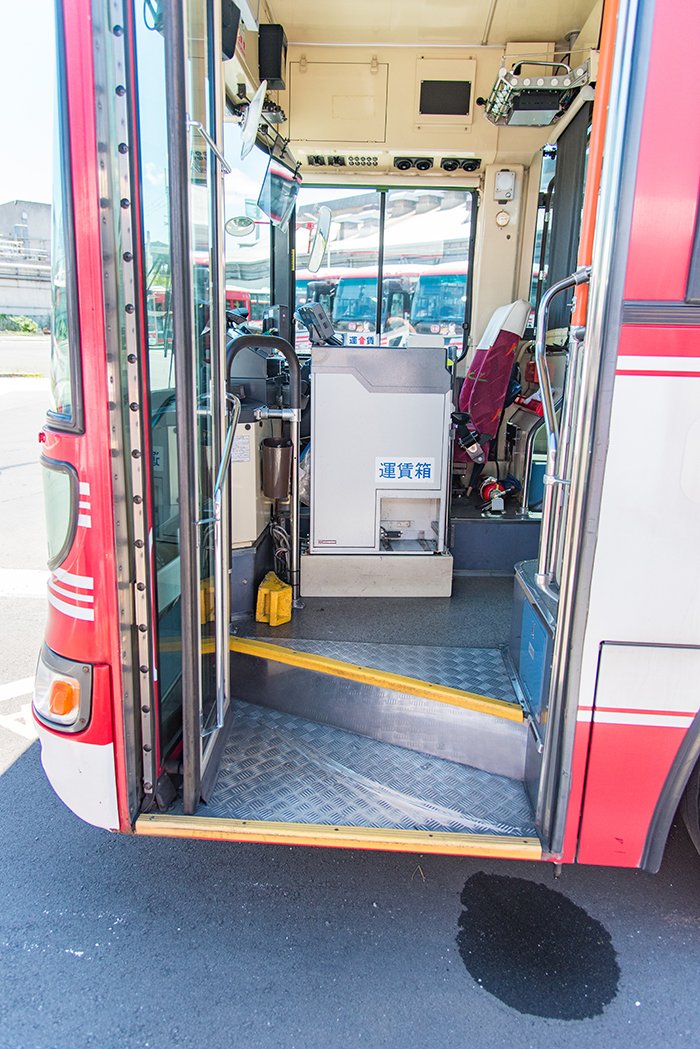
x,y
62,692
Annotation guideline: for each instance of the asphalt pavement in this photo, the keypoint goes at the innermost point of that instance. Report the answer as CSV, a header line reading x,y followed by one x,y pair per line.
x,y
109,941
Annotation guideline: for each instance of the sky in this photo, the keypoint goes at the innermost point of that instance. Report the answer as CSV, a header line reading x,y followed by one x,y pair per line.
x,y
27,71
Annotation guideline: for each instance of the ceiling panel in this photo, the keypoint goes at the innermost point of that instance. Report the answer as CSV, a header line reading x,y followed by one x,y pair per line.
x,y
451,22
514,19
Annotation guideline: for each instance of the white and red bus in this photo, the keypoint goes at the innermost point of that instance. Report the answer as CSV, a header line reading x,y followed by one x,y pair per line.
x,y
549,709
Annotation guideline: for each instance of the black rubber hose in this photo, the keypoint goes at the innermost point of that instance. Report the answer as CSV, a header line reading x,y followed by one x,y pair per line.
x,y
271,342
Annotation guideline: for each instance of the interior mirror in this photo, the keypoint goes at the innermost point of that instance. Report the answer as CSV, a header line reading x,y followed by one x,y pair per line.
x,y
320,241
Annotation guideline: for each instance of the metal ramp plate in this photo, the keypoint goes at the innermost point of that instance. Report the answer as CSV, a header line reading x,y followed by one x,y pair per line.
x,y
283,768
375,690
480,670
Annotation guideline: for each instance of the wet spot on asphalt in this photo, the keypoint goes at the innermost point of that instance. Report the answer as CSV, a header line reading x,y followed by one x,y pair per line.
x,y
534,949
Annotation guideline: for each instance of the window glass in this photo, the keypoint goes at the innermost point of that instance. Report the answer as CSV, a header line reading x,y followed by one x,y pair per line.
x,y
427,235
347,279
150,56
247,242
64,329
540,255
426,250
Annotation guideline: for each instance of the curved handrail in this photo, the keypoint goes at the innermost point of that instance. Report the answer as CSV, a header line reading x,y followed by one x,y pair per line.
x,y
271,342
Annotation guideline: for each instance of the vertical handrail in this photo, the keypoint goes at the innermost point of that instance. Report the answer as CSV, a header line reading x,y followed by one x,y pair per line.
x,y
569,410
221,565
544,574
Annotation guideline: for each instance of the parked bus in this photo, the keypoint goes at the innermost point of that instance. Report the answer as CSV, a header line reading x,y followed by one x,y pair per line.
x,y
536,696
439,301
355,303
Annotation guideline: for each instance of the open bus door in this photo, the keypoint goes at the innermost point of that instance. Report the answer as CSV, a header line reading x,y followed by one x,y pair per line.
x,y
193,71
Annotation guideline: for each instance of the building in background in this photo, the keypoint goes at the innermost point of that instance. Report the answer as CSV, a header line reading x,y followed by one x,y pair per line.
x,y
25,260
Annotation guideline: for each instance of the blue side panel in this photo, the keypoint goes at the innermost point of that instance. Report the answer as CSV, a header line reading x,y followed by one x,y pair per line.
x,y
535,657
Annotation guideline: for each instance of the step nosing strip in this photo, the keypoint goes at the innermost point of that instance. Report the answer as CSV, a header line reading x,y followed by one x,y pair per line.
x,y
412,686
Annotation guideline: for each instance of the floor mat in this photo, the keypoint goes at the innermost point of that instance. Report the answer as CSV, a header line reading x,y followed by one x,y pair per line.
x,y
280,767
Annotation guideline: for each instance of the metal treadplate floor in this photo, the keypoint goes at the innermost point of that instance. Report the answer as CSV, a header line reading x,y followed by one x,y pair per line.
x,y
479,670
280,767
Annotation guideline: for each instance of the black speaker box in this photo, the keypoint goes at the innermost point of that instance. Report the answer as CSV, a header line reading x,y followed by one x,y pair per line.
x,y
230,21
272,56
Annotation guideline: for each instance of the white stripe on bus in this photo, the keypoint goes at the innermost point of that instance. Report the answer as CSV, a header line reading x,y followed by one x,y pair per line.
x,y
605,717
82,582
71,610
84,521
84,488
88,598
657,363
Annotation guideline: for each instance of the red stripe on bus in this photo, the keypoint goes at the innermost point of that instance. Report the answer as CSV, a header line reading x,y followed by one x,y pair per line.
x,y
672,340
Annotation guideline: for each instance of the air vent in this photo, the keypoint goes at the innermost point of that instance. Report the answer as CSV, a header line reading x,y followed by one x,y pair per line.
x,y
419,163
315,160
336,161
460,163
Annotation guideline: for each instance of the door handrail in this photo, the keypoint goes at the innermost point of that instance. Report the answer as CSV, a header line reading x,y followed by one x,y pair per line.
x,y
198,126
221,564
544,573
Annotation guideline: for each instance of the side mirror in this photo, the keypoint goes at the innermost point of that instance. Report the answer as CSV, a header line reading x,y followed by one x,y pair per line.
x,y
320,241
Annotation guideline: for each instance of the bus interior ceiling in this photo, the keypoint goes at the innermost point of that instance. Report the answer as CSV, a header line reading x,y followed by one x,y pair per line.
x,y
400,693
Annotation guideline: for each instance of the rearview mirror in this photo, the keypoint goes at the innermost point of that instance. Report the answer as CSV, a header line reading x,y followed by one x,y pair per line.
x,y
320,241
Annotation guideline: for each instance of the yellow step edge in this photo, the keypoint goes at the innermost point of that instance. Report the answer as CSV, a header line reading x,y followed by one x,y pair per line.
x,y
412,686
444,843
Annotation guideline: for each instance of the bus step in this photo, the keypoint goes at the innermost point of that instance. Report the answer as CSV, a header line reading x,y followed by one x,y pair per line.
x,y
374,690
279,767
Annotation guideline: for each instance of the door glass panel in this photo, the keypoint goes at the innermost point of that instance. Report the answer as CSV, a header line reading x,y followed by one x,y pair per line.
x,y
203,178
150,61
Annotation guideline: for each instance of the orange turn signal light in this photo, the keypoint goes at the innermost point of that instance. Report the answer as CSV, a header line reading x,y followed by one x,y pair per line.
x,y
64,696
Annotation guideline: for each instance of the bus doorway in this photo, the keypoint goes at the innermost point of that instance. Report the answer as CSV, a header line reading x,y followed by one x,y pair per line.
x,y
179,69
397,651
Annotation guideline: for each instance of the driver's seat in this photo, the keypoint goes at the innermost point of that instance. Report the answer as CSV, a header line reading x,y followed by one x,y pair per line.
x,y
485,387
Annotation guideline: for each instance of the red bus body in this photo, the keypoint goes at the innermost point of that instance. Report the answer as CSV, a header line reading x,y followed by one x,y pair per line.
x,y
628,756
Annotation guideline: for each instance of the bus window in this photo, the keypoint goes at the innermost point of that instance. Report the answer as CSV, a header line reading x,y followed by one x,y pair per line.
x,y
355,307
65,411
439,303
540,255
427,241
